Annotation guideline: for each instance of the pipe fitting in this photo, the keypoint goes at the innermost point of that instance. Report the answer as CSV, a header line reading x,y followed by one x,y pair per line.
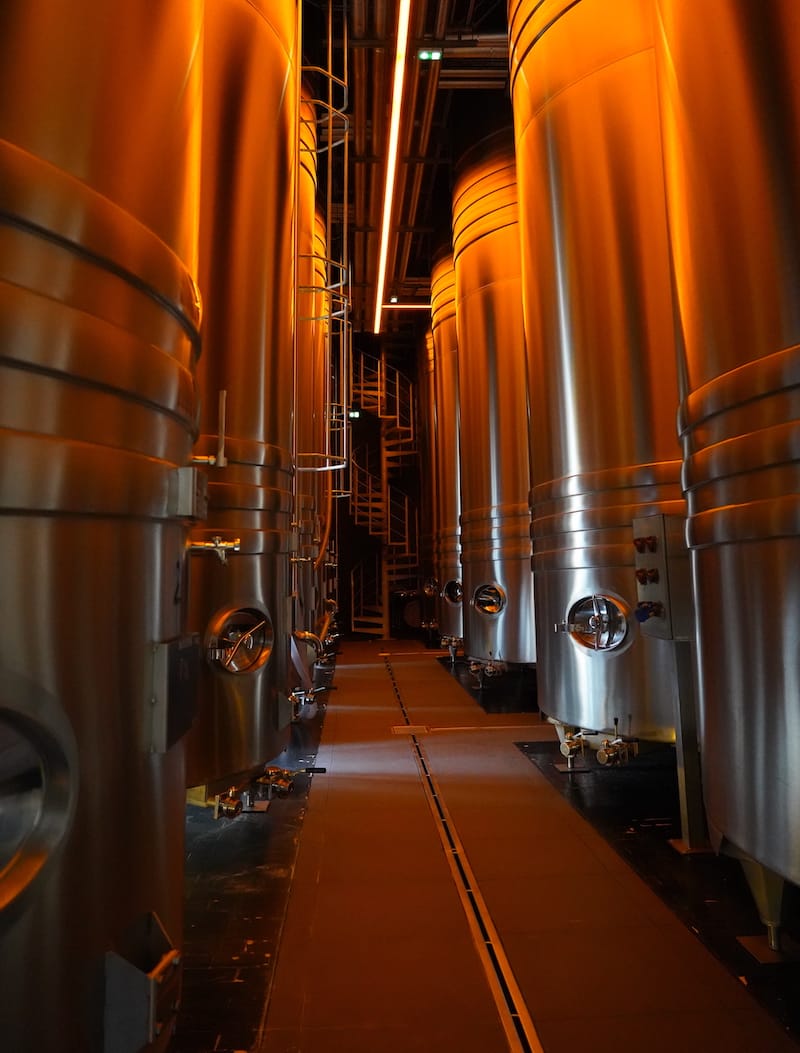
x,y
216,545
228,805
483,669
572,744
278,781
613,752
312,638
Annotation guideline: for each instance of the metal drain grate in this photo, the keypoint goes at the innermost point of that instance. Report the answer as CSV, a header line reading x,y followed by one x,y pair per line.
x,y
514,1016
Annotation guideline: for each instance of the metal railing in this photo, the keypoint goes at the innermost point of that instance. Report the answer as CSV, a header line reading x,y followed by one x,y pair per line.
x,y
396,397
399,520
332,137
366,597
367,498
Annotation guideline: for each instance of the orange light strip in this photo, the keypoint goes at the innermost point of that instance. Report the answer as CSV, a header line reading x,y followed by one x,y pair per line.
x,y
405,307
403,19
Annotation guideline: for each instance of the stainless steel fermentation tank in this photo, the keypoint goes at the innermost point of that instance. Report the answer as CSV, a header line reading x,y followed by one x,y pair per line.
x,y
731,113
599,329
493,394
240,583
99,320
447,471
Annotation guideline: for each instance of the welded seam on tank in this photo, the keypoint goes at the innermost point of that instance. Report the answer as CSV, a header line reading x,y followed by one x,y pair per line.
x,y
105,388
514,1016
543,30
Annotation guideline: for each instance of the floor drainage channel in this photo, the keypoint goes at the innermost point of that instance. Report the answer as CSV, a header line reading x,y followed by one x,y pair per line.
x,y
514,1017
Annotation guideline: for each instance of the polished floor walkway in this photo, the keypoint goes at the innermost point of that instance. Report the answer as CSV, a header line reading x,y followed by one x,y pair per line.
x,y
445,896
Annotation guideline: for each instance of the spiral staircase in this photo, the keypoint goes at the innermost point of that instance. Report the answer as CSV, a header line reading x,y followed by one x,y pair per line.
x,y
377,503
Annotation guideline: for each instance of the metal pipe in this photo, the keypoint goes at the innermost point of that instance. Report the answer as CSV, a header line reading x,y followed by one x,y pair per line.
x,y
313,639
217,545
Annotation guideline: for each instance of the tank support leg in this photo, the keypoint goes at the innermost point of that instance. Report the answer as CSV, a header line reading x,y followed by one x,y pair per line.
x,y
694,837
768,889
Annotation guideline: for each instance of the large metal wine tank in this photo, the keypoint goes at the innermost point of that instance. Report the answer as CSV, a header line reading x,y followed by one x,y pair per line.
x,y
99,320
493,390
731,113
447,470
240,595
599,329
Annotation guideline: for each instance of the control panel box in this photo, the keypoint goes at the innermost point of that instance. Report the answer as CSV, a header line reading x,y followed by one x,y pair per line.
x,y
663,577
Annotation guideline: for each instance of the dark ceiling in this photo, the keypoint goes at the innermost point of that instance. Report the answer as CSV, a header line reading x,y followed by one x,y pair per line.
x,y
449,104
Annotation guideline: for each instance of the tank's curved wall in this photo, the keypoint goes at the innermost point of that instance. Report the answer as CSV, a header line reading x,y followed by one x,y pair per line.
x,y
447,470
599,329
246,278
731,109
493,393
99,321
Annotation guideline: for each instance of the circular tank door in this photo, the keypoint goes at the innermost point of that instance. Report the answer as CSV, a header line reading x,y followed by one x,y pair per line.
x,y
34,801
598,623
453,592
489,599
240,641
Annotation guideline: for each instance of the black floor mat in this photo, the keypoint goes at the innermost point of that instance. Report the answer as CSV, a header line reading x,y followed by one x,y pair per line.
x,y
512,692
635,808
237,880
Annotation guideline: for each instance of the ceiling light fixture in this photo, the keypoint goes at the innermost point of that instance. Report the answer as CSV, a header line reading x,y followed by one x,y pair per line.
x,y
403,19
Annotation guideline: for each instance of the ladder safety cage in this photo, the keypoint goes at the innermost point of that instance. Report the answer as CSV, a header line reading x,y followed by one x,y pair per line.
x,y
332,144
